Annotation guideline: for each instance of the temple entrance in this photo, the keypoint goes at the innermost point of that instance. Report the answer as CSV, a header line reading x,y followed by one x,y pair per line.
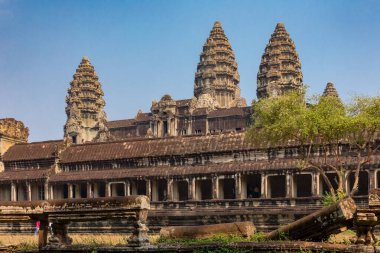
x,y
277,186
65,191
117,189
100,189
203,189
227,188
253,186
159,190
74,189
138,187
21,192
180,190
363,183
83,190
302,186
5,192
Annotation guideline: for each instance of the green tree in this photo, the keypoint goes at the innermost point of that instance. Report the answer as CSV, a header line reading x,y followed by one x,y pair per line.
x,y
329,135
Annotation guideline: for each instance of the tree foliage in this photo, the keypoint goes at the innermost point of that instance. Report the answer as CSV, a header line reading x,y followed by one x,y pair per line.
x,y
330,135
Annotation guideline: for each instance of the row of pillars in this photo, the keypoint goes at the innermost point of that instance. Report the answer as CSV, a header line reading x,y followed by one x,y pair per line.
x,y
239,184
28,196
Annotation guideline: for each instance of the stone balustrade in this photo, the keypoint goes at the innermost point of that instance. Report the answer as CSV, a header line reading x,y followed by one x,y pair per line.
x,y
61,212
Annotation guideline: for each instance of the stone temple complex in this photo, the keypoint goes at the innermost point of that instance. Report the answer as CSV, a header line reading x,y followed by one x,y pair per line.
x,y
189,156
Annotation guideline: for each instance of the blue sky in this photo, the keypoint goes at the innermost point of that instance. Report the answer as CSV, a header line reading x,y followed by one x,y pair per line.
x,y
142,50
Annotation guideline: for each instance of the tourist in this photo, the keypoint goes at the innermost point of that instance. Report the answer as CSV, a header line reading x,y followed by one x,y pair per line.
x,y
38,223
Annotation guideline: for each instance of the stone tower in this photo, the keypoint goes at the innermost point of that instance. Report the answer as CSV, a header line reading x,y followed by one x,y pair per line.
x,y
85,106
280,67
11,132
216,82
330,90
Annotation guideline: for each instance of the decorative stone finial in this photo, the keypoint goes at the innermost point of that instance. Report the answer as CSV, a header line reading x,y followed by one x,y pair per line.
x,y
280,25
280,67
217,24
217,79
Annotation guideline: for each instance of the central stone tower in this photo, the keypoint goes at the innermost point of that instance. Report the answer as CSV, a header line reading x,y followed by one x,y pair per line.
x,y
216,82
86,118
280,68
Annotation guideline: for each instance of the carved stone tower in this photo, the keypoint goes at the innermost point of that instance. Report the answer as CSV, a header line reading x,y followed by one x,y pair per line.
x,y
280,67
330,90
216,82
85,106
11,132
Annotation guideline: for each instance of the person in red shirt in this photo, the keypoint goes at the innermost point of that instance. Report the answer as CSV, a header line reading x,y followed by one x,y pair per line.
x,y
38,223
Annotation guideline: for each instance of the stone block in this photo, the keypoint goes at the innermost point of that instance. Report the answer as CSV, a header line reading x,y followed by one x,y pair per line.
x,y
245,229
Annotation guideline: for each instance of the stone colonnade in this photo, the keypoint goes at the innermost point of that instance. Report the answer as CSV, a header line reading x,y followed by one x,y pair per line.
x,y
247,185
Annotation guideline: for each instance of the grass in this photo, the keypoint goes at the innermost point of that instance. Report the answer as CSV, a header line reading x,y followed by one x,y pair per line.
x,y
342,238
30,242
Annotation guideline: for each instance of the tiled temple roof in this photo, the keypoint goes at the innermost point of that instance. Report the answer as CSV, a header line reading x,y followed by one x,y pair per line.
x,y
234,111
143,116
169,146
33,151
14,175
163,171
121,123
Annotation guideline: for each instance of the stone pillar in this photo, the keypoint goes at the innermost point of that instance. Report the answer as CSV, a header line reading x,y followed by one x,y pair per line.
x,y
238,186
206,128
155,132
28,191
169,189
51,192
70,189
191,189
315,184
139,235
89,191
189,126
215,187
264,188
127,188
13,192
169,126
108,189
149,189
289,185
42,233
371,178
60,237
46,190
175,132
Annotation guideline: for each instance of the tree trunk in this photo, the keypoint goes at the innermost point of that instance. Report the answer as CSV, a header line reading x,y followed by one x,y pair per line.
x,y
320,224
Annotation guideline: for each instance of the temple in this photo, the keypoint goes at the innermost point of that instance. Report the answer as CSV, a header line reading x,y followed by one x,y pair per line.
x,y
189,156
280,67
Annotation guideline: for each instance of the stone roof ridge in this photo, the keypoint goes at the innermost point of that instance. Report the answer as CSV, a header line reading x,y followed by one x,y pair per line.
x,y
40,142
227,132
